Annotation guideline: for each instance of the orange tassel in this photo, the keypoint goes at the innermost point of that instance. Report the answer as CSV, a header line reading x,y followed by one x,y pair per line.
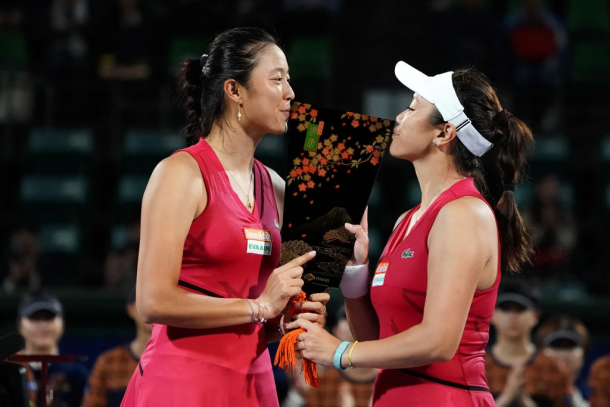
x,y
286,358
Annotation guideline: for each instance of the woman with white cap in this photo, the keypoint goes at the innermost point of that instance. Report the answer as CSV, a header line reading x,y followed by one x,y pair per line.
x,y
424,319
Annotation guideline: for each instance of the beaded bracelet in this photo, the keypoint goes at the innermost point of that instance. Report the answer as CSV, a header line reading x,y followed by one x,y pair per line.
x,y
339,353
261,312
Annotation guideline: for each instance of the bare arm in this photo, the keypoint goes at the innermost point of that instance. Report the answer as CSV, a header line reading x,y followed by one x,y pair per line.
x,y
361,315
175,195
461,250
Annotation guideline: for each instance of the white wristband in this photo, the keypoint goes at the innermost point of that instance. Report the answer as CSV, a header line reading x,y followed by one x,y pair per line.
x,y
355,281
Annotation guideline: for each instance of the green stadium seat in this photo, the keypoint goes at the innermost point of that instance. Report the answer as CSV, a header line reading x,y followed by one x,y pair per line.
x,y
14,52
54,189
131,189
158,143
59,238
310,58
589,15
590,61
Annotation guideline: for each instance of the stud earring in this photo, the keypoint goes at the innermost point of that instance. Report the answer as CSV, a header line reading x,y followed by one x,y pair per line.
x,y
239,111
434,143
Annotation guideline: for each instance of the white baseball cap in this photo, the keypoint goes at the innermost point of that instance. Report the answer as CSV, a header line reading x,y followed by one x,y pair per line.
x,y
439,91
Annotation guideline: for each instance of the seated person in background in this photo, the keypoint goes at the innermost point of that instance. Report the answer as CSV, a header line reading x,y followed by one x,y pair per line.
x,y
40,321
519,375
566,340
599,381
350,387
113,368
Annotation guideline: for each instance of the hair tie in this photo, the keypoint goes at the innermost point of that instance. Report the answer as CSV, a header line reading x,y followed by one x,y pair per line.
x,y
503,117
203,60
509,187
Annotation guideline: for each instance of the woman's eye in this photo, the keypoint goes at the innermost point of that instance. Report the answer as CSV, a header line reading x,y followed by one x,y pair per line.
x,y
409,109
278,79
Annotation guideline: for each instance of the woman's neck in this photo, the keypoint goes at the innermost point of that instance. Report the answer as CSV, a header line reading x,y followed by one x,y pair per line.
x,y
43,350
434,178
511,351
234,147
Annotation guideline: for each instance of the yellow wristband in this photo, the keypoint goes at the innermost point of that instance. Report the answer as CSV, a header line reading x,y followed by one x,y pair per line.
x,y
349,356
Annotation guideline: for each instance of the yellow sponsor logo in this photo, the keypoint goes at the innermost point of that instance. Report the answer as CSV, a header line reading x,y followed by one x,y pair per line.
x,y
257,234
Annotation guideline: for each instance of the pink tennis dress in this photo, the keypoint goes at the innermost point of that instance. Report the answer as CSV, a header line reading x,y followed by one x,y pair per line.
x,y
229,253
398,293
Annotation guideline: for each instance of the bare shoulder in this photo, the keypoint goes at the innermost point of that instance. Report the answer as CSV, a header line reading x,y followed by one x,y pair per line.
x,y
466,210
179,164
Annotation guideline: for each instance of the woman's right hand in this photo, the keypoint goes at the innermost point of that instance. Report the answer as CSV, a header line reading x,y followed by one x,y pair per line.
x,y
361,246
283,283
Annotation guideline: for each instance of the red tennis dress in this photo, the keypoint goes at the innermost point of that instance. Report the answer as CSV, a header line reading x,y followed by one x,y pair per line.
x,y
229,253
398,293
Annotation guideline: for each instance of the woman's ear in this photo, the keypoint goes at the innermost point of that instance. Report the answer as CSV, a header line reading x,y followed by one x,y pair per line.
x,y
446,134
233,90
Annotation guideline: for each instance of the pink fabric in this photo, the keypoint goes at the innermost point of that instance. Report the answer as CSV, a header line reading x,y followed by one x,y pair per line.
x,y
399,303
223,366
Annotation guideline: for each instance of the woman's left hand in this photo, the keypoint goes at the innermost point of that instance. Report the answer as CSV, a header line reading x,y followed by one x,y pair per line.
x,y
313,310
316,344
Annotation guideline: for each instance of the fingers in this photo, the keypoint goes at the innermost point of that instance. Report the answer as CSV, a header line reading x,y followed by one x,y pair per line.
x,y
301,323
358,232
299,261
364,223
309,306
320,297
313,318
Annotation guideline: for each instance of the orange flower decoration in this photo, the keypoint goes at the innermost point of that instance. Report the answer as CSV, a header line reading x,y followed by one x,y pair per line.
x,y
374,161
294,115
369,149
373,119
305,161
293,174
376,153
325,152
350,114
344,155
312,169
313,113
355,123
302,187
298,171
322,172
341,146
311,184
302,109
323,161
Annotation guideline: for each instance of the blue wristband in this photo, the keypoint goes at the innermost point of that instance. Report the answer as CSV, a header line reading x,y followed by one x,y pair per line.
x,y
338,353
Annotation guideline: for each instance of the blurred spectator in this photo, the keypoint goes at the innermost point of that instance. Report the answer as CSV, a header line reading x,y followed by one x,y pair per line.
x,y
129,51
27,268
537,41
189,17
519,375
298,389
10,16
599,381
121,266
554,230
40,321
113,369
566,340
23,261
350,387
470,35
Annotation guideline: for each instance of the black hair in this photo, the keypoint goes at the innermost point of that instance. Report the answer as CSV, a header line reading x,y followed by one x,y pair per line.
x,y
497,171
233,54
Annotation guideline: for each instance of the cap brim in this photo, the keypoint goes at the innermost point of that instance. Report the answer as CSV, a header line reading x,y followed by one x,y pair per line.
x,y
415,80
516,298
41,306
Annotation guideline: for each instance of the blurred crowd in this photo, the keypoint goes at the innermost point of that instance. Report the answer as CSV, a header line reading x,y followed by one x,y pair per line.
x,y
535,359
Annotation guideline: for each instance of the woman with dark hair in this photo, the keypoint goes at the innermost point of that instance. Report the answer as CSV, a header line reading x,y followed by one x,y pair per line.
x,y
424,319
210,237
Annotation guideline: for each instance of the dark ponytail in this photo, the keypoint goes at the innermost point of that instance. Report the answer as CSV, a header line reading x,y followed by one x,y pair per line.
x,y
232,55
496,173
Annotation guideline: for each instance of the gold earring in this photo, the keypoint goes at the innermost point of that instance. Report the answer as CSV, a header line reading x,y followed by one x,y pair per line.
x,y
239,111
